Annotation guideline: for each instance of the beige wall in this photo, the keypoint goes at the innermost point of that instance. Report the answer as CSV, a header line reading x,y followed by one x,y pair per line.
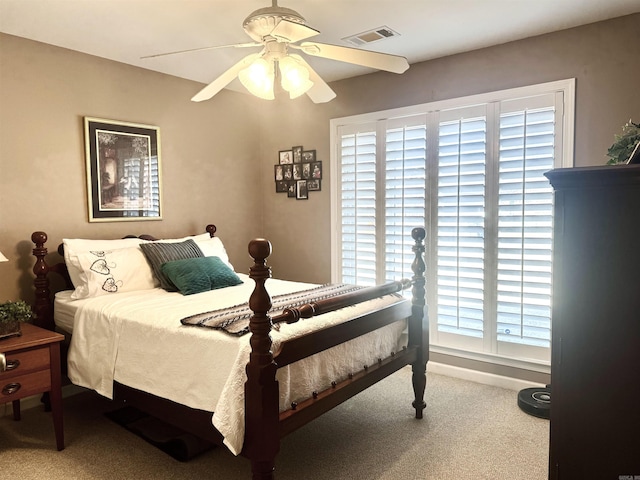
x,y
209,165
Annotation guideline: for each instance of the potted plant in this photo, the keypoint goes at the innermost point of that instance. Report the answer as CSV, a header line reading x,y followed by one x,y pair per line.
x,y
12,314
624,144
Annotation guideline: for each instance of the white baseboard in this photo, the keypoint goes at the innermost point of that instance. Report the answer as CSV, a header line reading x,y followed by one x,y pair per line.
x,y
509,383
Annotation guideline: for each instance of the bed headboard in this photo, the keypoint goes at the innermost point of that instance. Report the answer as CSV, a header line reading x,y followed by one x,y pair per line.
x,y
43,306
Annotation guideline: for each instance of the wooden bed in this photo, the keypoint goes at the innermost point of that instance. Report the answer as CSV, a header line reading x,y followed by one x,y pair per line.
x,y
265,423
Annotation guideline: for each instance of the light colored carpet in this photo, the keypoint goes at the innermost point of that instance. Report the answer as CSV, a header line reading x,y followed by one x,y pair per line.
x,y
470,431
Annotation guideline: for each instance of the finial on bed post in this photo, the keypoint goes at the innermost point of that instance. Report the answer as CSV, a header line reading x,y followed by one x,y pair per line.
x,y
262,435
418,325
211,230
42,306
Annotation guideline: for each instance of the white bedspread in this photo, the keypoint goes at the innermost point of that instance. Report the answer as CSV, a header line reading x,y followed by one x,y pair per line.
x,y
136,338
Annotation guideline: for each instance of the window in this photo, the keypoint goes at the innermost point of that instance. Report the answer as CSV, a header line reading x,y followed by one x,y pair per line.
x,y
471,171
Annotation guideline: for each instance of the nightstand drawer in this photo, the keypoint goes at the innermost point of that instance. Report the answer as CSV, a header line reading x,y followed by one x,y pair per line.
x,y
24,385
21,362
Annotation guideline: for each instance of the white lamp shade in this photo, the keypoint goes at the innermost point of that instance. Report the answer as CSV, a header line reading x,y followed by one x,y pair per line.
x,y
258,78
295,77
3,258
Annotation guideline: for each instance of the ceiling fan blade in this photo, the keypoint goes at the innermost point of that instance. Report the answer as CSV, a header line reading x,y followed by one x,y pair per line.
x,y
292,32
366,58
320,92
236,45
223,80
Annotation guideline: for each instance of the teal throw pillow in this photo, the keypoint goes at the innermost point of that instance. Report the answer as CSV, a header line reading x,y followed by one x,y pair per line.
x,y
196,275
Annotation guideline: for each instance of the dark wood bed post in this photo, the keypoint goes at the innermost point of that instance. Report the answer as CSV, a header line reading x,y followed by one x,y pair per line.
x,y
43,307
418,323
262,433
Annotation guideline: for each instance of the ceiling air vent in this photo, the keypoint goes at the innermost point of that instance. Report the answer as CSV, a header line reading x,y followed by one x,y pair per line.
x,y
371,36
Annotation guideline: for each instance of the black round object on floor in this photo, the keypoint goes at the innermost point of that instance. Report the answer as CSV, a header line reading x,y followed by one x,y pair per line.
x,y
535,401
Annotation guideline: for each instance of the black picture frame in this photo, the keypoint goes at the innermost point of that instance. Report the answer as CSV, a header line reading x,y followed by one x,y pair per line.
x,y
282,186
302,193
278,174
291,189
285,157
308,156
297,171
287,172
123,170
297,154
314,185
316,170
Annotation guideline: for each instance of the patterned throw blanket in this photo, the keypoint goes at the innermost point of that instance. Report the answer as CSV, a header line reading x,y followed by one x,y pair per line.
x,y
235,320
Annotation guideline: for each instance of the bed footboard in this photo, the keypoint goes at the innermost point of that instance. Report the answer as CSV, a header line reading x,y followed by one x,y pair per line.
x,y
264,425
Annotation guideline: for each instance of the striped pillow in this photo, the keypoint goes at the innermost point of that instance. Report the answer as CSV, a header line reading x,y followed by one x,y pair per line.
x,y
158,253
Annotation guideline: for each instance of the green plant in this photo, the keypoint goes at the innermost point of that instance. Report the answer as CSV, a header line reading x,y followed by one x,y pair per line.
x,y
622,148
19,310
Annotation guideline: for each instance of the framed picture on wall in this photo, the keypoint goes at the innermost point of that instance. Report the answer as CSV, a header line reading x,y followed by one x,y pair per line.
x,y
301,190
297,154
291,189
314,185
316,170
309,156
285,157
123,170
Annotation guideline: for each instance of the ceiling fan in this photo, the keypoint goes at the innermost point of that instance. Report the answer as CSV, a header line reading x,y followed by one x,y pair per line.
x,y
279,30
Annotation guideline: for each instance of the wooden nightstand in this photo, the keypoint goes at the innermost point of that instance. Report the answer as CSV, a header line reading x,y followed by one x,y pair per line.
x,y
32,367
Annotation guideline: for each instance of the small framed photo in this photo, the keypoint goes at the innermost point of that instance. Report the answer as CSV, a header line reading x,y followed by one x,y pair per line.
x,y
291,189
316,170
306,171
285,157
301,190
278,173
287,172
282,186
309,156
297,171
314,185
297,154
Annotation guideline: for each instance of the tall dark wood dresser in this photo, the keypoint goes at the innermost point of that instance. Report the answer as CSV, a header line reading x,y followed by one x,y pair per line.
x,y
595,345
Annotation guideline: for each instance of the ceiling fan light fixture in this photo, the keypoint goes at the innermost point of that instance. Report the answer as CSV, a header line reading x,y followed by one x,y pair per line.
x,y
258,78
295,77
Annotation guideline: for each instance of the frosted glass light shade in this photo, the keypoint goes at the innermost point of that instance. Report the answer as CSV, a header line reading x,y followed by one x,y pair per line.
x,y
295,77
258,78
3,258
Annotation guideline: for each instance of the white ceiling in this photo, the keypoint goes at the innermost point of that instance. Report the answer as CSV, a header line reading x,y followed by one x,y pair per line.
x,y
125,30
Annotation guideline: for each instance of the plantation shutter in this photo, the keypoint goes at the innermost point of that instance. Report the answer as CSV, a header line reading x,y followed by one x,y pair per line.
x,y
405,193
461,192
358,206
525,221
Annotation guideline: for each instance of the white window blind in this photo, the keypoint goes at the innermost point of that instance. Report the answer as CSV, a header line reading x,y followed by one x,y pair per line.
x,y
358,207
525,226
460,226
471,171
405,191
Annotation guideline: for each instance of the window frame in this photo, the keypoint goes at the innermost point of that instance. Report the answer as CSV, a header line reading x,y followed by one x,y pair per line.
x,y
564,91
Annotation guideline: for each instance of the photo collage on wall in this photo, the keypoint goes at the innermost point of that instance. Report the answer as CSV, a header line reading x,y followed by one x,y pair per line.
x,y
297,173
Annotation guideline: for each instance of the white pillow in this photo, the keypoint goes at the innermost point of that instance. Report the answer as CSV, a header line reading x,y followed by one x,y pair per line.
x,y
75,246
213,247
195,238
113,271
